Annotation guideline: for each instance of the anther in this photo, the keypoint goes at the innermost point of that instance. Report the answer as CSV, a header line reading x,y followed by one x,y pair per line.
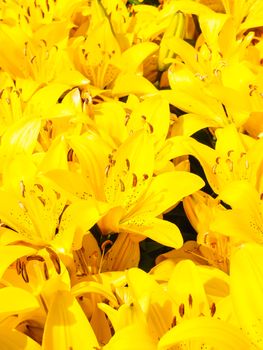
x,y
127,118
229,152
40,187
145,176
21,205
181,310
24,272
107,169
174,322
230,164
122,185
127,164
46,274
35,257
214,168
55,259
22,188
134,180
42,200
150,127
70,155
246,164
190,300
213,309
217,160
18,266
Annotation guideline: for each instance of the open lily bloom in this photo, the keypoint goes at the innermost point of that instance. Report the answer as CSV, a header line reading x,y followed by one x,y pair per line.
x,y
178,315
216,73
243,222
135,197
246,290
99,56
236,157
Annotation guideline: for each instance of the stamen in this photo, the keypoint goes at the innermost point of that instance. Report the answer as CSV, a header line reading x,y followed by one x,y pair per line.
x,y
42,200
246,164
230,164
24,272
107,169
127,164
21,205
18,266
213,309
145,176
70,155
190,300
127,119
22,188
55,259
214,168
46,274
35,257
229,152
122,185
134,180
181,310
150,127
174,322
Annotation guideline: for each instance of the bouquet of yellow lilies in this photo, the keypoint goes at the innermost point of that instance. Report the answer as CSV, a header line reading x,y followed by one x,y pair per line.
x,y
131,187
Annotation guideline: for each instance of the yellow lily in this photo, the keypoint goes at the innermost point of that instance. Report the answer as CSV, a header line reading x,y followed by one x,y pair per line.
x,y
237,159
243,222
66,324
246,291
135,198
216,73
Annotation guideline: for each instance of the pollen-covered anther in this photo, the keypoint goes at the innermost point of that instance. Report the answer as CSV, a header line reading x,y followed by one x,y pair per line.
x,y
21,205
213,309
252,88
25,48
230,152
181,310
24,272
145,177
230,164
107,169
122,186
214,169
22,188
42,200
134,180
46,274
70,155
217,72
35,257
151,129
127,164
18,266
173,324
190,300
55,259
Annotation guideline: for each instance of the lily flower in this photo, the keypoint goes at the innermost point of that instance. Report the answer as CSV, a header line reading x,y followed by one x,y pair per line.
x,y
237,159
135,197
246,290
243,222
